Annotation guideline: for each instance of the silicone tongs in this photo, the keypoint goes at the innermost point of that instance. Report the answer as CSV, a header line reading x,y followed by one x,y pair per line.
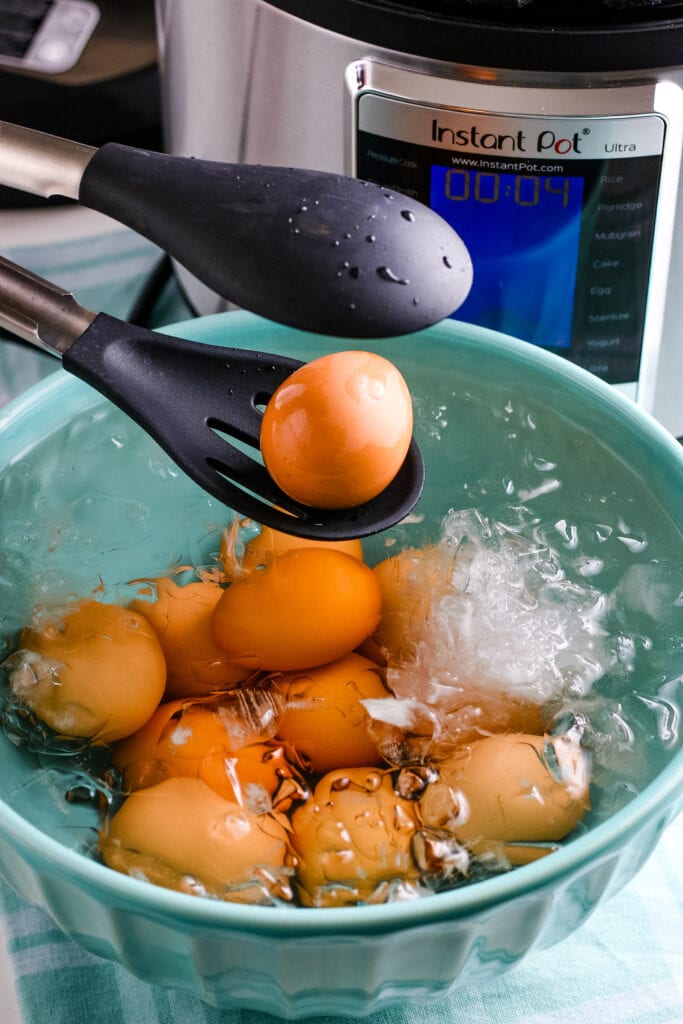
x,y
310,249
187,395
317,251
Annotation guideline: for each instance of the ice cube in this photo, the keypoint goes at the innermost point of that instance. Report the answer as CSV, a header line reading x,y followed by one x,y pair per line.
x,y
509,621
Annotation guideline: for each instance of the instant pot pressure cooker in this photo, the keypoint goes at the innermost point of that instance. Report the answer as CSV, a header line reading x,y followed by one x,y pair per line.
x,y
549,134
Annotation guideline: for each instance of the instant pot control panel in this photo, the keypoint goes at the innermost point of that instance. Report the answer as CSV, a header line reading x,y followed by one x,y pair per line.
x,y
565,198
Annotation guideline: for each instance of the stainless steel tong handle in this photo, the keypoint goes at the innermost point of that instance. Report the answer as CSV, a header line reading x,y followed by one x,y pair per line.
x,y
41,313
41,164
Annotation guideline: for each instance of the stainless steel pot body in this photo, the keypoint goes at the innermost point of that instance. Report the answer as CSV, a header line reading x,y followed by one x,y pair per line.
x,y
246,81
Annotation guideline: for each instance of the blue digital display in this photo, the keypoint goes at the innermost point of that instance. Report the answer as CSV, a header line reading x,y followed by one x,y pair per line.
x,y
522,232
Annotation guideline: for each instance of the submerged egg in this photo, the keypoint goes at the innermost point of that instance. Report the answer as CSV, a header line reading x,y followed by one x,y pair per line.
x,y
471,714
324,722
420,637
270,543
353,838
99,672
502,792
182,835
337,431
187,739
410,582
308,607
181,618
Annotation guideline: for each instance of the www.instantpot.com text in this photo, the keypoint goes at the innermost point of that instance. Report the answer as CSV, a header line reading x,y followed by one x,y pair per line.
x,y
507,165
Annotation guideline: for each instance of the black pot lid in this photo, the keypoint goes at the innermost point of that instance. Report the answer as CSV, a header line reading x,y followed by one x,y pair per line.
x,y
533,35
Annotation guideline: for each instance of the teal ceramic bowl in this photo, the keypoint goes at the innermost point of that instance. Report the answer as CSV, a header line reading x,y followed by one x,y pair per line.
x,y
525,437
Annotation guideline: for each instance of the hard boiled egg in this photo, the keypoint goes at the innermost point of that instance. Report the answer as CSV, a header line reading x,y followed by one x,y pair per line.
x,y
324,722
188,739
181,618
308,607
337,431
499,793
182,835
269,543
417,640
353,838
97,672
409,582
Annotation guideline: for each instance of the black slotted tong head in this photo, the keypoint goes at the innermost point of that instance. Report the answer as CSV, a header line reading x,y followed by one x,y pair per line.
x,y
187,395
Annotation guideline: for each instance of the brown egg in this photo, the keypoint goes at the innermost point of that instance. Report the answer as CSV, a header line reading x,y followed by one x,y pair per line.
x,y
188,738
99,672
182,835
353,838
414,637
409,583
324,722
181,618
337,431
504,791
270,543
474,713
310,606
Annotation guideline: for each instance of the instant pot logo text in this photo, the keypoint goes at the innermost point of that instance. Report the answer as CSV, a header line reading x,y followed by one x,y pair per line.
x,y
545,142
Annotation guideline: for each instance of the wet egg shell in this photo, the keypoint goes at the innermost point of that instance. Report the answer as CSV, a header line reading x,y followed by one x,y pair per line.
x,y
409,582
411,634
324,722
270,543
351,836
182,835
412,584
97,673
474,713
337,431
309,607
187,739
181,618
510,789
257,776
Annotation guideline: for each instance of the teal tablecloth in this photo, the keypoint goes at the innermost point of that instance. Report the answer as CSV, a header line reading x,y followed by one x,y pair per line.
x,y
625,966
106,273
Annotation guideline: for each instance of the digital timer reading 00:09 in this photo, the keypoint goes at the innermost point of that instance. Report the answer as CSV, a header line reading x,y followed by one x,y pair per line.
x,y
487,187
